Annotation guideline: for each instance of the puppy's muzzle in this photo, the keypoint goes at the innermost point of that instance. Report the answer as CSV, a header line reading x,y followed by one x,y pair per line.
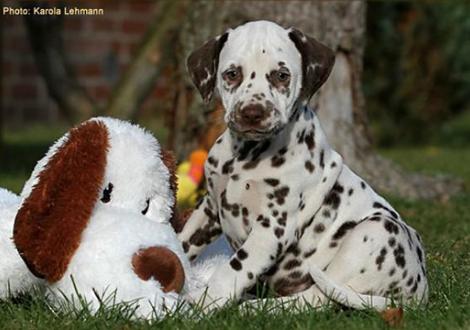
x,y
251,116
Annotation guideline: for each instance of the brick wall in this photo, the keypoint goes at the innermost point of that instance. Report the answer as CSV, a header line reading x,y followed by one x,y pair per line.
x,y
98,48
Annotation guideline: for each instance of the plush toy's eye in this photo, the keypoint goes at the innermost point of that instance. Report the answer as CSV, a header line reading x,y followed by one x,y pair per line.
x,y
106,198
144,211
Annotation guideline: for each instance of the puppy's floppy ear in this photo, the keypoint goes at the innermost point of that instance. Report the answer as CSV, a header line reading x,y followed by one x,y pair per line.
x,y
203,63
50,222
317,62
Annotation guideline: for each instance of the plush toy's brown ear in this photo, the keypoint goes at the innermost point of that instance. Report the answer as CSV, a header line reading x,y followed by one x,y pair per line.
x,y
203,63
162,264
50,222
180,218
169,160
317,62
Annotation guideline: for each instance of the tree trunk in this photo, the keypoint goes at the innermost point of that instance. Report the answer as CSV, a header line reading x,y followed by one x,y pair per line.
x,y
340,102
139,79
45,35
204,20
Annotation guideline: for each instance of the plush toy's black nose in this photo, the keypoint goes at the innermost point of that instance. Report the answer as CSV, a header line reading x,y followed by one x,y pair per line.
x,y
252,114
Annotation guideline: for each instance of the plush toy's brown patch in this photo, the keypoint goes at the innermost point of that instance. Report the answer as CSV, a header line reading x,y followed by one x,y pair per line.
x,y
162,264
179,220
169,160
49,224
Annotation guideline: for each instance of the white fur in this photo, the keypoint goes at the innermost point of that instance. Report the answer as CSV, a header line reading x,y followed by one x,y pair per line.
x,y
14,275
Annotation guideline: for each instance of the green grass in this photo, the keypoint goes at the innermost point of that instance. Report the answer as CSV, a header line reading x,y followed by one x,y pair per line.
x,y
445,227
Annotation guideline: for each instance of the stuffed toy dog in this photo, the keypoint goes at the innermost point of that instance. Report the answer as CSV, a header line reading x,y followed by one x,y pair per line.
x,y
15,277
95,221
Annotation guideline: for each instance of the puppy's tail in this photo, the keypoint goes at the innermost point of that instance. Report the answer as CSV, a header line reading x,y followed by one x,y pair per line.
x,y
344,295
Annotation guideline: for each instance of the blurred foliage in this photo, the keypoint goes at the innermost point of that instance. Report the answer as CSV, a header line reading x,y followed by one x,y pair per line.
x,y
454,132
21,150
416,68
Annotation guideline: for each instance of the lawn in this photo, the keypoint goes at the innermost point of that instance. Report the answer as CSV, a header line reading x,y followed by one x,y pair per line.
x,y
445,227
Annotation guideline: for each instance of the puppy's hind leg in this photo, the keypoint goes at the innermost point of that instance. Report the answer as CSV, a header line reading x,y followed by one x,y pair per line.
x,y
344,295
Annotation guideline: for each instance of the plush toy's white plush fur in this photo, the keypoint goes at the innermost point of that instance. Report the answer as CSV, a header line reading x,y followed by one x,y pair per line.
x,y
14,275
101,268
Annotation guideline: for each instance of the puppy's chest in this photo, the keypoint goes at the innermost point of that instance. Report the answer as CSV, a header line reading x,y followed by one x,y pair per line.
x,y
248,187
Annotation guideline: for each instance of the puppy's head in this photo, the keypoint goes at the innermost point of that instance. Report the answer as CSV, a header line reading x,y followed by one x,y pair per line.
x,y
261,72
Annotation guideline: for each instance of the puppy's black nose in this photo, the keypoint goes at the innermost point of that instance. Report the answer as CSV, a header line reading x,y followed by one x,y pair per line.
x,y
252,114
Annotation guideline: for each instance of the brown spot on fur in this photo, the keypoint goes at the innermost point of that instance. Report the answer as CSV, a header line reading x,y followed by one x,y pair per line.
x,y
277,161
280,194
322,158
310,253
271,181
213,161
343,229
278,232
286,287
242,254
319,228
236,264
49,225
309,140
227,168
162,264
309,166
292,264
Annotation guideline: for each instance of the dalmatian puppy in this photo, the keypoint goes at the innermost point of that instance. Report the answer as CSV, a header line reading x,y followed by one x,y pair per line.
x,y
296,216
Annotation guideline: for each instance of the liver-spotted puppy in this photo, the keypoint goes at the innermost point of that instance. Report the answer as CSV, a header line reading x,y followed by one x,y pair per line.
x,y
297,217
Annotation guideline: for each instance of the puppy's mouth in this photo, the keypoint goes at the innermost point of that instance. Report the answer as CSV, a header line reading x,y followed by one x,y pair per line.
x,y
253,133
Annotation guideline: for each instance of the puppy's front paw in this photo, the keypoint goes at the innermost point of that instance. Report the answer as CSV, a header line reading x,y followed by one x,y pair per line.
x,y
206,299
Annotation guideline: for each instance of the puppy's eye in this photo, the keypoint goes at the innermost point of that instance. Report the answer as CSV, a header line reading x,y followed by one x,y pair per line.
x,y
144,211
282,76
106,197
232,74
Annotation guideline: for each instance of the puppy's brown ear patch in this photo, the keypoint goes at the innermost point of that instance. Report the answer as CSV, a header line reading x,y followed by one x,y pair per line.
x,y
50,222
162,264
203,63
317,62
